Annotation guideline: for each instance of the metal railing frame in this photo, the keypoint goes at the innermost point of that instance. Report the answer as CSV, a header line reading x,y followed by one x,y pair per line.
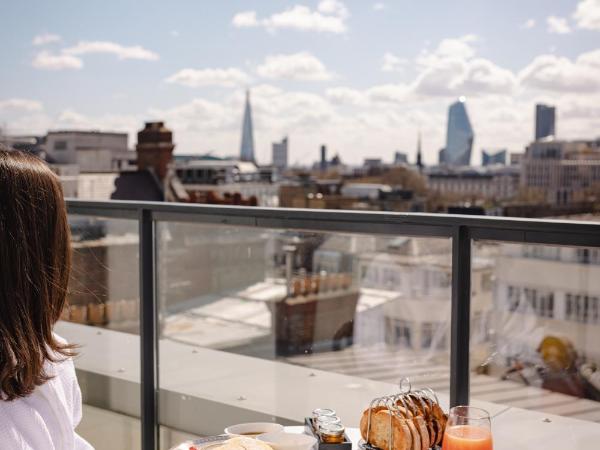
x,y
462,230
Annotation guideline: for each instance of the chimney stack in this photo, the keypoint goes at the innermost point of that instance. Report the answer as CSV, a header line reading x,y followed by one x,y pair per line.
x,y
323,158
155,148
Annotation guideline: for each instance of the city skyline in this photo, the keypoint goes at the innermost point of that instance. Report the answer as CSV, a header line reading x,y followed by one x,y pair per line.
x,y
190,66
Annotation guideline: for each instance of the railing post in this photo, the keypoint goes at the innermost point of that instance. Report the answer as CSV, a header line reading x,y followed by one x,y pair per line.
x,y
148,331
460,316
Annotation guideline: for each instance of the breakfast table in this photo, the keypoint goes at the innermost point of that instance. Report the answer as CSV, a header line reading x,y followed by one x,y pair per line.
x,y
517,429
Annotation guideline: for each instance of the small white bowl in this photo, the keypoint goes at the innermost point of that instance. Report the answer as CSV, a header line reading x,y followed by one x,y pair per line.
x,y
253,429
289,441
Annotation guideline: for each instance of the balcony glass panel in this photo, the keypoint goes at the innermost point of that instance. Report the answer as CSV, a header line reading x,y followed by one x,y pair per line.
x,y
534,340
103,319
266,325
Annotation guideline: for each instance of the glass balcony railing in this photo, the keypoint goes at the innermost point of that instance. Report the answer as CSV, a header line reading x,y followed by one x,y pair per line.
x,y
193,317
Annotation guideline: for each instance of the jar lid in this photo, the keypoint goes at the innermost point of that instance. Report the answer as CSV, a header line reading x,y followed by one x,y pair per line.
x,y
331,429
328,419
323,412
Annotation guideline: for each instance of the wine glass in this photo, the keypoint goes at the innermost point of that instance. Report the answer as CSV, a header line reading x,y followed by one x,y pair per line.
x,y
468,428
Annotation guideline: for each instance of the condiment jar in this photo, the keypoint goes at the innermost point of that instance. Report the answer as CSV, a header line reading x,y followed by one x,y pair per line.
x,y
320,412
331,433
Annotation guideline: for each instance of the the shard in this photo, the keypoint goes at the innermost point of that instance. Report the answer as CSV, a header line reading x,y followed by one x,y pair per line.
x,y
459,137
247,148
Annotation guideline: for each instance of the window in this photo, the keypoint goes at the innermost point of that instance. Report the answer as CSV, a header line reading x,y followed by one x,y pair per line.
x,y
582,308
400,332
540,303
60,145
432,336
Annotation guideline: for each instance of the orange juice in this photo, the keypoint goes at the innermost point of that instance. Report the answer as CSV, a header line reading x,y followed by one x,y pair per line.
x,y
467,437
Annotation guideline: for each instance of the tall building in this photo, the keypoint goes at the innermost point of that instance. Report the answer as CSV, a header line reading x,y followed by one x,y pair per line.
x,y
323,157
280,153
488,158
562,171
544,121
459,136
247,147
400,158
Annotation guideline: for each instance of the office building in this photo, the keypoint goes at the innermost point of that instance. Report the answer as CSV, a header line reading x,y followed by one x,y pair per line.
x,y
459,136
501,183
545,117
92,151
280,154
247,147
400,158
561,171
488,158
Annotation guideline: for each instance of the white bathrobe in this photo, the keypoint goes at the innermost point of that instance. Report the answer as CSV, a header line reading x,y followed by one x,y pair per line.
x,y
46,419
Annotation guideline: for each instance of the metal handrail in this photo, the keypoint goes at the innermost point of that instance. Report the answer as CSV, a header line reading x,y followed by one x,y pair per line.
x,y
462,230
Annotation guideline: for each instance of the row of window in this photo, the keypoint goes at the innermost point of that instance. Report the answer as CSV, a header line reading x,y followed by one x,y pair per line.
x,y
400,332
528,299
582,308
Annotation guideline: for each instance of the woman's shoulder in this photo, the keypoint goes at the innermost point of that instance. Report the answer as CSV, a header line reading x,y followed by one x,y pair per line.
x,y
61,366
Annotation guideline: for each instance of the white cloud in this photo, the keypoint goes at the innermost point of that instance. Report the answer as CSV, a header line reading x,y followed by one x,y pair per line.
x,y
245,19
20,104
174,33
46,38
209,77
297,66
392,63
587,14
452,69
529,23
346,96
379,6
558,25
50,61
69,118
120,51
455,48
329,17
389,93
334,7
560,74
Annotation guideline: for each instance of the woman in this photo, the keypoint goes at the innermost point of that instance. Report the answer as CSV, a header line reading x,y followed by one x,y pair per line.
x,y
40,400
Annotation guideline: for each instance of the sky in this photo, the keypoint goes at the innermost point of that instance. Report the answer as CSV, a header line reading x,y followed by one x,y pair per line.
x,y
363,77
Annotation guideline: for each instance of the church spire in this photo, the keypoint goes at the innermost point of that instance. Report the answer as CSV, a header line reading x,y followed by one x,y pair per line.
x,y
247,147
419,155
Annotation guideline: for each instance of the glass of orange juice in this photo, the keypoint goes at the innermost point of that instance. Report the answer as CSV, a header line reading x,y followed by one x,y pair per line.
x,y
468,428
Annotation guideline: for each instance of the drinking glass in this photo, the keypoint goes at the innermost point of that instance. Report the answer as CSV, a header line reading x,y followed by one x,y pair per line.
x,y
468,428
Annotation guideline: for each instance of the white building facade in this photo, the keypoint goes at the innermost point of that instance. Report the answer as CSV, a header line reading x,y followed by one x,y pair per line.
x,y
92,151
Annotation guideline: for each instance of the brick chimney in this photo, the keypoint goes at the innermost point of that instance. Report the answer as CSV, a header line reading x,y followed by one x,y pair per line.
x,y
155,148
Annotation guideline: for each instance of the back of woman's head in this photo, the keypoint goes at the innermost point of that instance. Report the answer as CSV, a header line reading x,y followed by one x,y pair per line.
x,y
35,260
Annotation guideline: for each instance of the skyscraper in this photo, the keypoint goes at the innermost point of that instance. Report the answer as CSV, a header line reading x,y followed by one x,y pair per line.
x,y
247,148
459,136
323,158
280,153
488,158
544,121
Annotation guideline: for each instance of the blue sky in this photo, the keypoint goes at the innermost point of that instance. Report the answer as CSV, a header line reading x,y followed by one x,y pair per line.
x,y
361,76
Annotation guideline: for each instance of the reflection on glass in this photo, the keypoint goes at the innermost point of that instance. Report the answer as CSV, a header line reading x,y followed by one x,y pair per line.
x,y
299,304
102,318
544,353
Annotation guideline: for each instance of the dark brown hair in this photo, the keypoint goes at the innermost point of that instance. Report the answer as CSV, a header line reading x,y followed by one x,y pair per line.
x,y
35,260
